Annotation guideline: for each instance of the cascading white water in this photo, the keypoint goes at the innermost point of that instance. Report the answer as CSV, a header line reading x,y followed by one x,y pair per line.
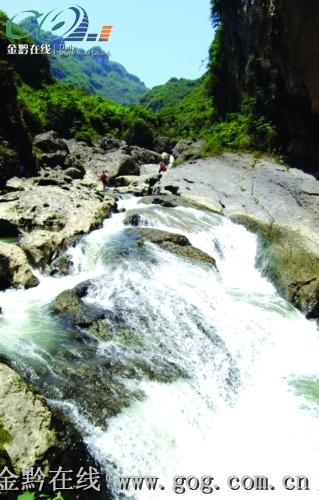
x,y
221,375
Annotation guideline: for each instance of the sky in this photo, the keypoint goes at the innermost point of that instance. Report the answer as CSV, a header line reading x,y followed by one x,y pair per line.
x,y
154,40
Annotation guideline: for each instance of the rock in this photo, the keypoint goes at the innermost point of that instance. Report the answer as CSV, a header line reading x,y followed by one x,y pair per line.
x,y
54,159
175,243
142,189
70,305
92,161
103,324
134,180
74,173
52,215
28,421
14,268
162,143
15,184
143,156
107,143
120,164
132,218
278,203
126,180
284,258
187,150
165,158
171,201
49,142
41,246
32,436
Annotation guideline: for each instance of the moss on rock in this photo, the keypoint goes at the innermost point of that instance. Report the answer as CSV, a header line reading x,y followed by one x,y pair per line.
x,y
284,257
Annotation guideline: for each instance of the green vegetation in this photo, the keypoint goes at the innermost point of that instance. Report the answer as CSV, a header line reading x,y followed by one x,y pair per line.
x,y
190,117
31,496
245,117
34,102
5,436
73,112
169,94
94,73
99,76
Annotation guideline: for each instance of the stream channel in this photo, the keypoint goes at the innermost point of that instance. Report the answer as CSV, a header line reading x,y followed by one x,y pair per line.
x,y
204,371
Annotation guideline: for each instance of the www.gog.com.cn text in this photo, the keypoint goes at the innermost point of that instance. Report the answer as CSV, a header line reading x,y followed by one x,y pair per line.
x,y
205,484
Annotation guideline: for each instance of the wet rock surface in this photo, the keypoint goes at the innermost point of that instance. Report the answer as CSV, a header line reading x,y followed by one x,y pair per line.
x,y
32,436
175,243
279,203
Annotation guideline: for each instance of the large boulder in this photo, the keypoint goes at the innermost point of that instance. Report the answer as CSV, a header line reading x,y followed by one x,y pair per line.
x,y
187,150
15,184
69,304
41,246
108,143
121,164
14,268
142,189
49,142
54,159
172,242
48,216
95,160
32,436
143,156
126,180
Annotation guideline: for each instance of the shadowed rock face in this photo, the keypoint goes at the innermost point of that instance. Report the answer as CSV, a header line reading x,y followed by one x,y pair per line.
x,y
281,37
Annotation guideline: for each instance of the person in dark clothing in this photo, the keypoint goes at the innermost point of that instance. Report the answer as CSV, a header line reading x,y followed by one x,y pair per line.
x,y
104,178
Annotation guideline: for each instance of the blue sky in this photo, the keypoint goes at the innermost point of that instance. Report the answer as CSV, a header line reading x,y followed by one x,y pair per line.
x,y
155,40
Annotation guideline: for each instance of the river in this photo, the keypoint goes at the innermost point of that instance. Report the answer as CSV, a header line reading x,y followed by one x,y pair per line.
x,y
205,371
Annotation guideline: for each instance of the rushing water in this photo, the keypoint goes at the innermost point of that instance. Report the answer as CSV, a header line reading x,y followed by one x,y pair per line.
x,y
205,373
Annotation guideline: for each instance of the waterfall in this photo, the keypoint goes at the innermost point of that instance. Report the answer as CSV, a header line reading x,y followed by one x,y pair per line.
x,y
208,372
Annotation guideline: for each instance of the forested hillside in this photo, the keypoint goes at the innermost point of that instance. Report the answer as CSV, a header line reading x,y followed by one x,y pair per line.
x,y
99,76
251,99
169,94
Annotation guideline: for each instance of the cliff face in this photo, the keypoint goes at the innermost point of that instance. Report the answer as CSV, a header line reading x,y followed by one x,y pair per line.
x,y
271,46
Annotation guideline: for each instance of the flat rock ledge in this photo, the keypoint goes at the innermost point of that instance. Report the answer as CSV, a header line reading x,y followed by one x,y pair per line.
x,y
49,217
32,436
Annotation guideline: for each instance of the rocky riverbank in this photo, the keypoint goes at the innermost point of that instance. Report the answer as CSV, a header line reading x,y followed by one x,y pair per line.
x,y
279,203
50,211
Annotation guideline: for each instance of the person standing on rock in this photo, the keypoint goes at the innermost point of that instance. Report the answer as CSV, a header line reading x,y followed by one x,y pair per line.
x,y
104,178
162,168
